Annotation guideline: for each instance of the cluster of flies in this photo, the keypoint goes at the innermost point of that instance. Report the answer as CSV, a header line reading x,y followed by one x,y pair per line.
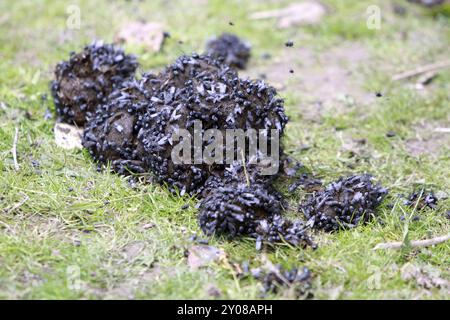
x,y
274,277
129,123
132,123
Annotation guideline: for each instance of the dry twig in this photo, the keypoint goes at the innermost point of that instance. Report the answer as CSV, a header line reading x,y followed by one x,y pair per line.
x,y
414,244
18,204
422,69
442,130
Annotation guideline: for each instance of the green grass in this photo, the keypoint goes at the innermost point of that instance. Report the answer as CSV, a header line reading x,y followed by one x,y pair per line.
x,y
68,215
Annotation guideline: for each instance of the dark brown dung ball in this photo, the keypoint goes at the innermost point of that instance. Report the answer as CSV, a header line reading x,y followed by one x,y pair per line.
x,y
86,80
344,203
112,133
240,209
230,49
196,94
136,128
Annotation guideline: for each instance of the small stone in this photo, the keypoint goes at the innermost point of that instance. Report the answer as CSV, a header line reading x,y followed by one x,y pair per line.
x,y
148,226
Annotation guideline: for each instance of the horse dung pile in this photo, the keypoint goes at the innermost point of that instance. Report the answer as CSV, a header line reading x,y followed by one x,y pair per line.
x,y
134,124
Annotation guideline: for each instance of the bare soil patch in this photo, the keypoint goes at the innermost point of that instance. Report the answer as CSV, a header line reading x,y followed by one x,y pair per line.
x,y
328,80
430,138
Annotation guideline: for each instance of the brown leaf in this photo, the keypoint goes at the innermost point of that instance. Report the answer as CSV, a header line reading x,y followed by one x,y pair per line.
x,y
202,255
68,136
301,13
149,35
